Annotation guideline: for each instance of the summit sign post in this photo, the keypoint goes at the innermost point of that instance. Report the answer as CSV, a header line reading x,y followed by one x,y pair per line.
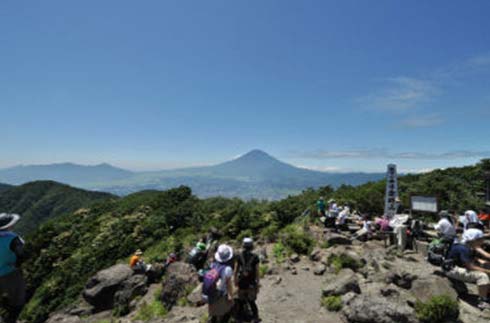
x,y
391,195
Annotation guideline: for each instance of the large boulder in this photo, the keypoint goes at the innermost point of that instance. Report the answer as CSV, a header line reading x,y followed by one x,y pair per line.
x,y
136,285
346,281
371,308
180,278
424,289
101,288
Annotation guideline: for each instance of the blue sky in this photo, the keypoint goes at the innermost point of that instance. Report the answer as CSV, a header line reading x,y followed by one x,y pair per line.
x,y
333,85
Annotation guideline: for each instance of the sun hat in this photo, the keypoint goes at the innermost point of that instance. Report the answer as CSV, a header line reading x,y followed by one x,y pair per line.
x,y
138,252
248,242
472,235
224,253
331,201
8,220
201,246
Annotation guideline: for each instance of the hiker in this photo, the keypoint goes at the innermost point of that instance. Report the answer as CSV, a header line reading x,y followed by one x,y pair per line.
x,y
484,216
137,264
246,277
12,285
365,232
333,208
217,287
320,206
445,227
198,255
467,266
470,217
341,223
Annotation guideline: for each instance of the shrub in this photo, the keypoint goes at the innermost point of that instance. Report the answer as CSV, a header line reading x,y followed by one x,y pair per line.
x,y
343,261
270,233
437,310
332,303
296,239
279,252
151,311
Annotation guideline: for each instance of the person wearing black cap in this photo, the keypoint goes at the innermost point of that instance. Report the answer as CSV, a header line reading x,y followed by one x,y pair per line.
x,y
12,285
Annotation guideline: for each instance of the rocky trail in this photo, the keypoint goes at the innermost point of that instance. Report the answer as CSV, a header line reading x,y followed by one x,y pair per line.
x,y
376,284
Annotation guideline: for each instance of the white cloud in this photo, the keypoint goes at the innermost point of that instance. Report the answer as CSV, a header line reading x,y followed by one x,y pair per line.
x,y
401,94
385,154
423,121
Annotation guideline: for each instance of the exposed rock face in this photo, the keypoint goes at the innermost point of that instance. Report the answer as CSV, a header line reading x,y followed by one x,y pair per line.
x,y
424,289
180,277
346,281
337,239
63,318
370,308
101,288
130,288
195,298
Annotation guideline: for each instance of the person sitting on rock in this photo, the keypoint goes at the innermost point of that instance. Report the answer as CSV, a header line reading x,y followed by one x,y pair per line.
x,y
137,264
445,227
341,222
467,266
247,279
366,231
217,288
12,285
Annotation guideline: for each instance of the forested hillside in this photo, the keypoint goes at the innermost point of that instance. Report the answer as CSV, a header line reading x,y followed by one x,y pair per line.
x,y
4,187
65,252
42,200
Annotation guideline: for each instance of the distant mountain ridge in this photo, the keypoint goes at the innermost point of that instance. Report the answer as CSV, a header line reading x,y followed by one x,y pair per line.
x,y
255,174
68,173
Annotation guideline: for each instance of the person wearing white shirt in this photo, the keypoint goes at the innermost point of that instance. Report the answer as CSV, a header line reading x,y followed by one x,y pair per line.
x,y
445,226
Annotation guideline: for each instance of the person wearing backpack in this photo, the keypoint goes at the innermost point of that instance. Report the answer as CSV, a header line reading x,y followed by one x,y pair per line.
x,y
217,287
12,285
247,277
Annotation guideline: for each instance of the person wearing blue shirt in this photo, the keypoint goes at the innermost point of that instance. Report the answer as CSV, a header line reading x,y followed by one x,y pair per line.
x,y
469,261
12,285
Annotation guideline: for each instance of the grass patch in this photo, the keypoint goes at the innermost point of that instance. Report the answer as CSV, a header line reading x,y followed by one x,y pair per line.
x,y
437,310
150,311
332,303
279,252
338,262
263,269
325,245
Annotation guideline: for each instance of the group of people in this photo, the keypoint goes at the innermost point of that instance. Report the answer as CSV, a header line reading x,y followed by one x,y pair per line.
x,y
465,259
12,285
231,284
333,217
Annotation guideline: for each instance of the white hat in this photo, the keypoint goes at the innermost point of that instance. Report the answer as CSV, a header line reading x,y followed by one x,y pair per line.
x,y
471,234
248,242
224,253
7,220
